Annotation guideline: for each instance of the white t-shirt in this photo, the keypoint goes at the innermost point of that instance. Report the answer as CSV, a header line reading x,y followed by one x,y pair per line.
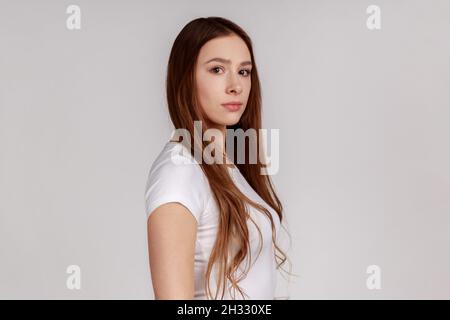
x,y
176,177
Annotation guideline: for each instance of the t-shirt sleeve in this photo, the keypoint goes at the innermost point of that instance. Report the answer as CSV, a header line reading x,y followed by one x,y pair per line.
x,y
176,182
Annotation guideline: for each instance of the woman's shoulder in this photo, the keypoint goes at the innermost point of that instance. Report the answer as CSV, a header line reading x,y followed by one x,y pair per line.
x,y
174,160
175,176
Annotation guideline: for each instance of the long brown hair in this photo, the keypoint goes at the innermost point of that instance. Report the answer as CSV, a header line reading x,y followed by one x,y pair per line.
x,y
184,110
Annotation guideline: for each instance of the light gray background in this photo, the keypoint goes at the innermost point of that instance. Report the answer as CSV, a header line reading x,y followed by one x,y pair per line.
x,y
364,127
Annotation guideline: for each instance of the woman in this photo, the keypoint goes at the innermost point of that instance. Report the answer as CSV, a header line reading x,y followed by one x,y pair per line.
x,y
212,227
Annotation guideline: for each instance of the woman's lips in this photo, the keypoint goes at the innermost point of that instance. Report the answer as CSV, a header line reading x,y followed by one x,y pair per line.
x,y
232,106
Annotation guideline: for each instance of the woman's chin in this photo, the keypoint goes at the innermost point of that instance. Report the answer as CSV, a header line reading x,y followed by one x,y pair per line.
x,y
231,120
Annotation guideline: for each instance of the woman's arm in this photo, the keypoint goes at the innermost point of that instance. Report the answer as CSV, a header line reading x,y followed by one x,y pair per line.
x,y
172,232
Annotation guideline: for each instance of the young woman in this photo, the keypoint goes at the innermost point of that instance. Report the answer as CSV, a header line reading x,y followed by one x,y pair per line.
x,y
212,228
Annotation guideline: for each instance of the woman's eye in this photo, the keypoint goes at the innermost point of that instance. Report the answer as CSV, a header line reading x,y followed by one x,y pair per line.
x,y
215,68
248,72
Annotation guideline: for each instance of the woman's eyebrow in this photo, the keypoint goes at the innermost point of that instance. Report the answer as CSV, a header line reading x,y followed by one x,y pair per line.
x,y
244,63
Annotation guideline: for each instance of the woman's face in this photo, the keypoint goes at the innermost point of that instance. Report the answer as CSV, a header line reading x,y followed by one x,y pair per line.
x,y
223,75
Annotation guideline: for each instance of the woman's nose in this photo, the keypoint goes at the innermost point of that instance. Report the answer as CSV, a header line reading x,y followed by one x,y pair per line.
x,y
235,86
